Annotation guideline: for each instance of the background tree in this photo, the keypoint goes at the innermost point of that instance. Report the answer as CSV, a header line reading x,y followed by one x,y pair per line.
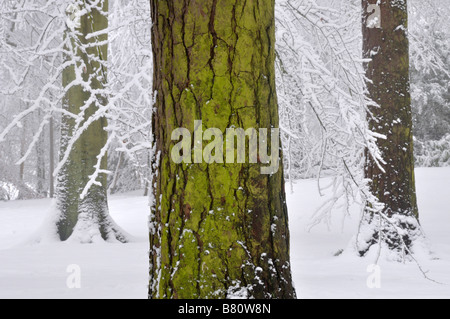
x,y
385,38
85,67
430,77
130,83
218,230
21,77
38,50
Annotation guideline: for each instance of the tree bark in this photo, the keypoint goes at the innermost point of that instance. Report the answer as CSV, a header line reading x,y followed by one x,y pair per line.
x,y
217,230
90,51
385,25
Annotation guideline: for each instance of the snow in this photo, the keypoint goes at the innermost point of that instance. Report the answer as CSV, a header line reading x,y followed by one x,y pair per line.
x,y
40,271
121,271
74,20
319,274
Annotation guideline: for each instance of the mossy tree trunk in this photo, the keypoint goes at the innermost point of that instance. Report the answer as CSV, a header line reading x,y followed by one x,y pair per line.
x,y
88,54
385,37
217,230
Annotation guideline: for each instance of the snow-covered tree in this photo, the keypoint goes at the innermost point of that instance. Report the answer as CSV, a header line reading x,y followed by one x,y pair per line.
x,y
33,67
82,199
386,44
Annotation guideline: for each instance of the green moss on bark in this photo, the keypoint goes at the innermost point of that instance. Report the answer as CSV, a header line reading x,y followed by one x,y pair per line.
x,y
217,229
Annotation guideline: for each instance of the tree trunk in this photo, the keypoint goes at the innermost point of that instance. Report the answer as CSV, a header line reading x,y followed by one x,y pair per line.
x,y
41,188
23,189
216,230
51,178
148,175
23,142
386,42
112,188
88,214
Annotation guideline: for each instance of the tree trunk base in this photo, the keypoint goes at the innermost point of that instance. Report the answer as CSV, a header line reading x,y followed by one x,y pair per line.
x,y
397,237
88,230
91,229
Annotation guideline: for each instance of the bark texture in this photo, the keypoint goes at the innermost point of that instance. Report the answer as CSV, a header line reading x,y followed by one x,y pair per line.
x,y
217,230
388,47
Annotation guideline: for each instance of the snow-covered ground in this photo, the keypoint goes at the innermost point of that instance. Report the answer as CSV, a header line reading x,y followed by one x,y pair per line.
x,y
120,271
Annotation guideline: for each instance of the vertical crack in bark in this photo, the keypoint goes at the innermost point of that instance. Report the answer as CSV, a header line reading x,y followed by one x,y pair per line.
x,y
213,34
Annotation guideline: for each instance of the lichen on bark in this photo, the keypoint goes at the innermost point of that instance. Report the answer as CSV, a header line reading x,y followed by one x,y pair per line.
x,y
217,230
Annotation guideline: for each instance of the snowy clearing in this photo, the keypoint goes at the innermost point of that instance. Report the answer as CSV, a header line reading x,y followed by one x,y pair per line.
x,y
121,271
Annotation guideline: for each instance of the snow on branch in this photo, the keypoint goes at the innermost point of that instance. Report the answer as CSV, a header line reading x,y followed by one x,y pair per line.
x,y
37,43
323,101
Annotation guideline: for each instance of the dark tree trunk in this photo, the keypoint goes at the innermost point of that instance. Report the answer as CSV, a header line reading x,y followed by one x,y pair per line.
x,y
385,38
217,230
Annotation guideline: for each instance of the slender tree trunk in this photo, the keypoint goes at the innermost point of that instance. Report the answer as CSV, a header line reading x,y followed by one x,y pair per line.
x,y
112,188
51,158
148,175
90,212
40,169
385,32
146,188
217,230
40,165
22,152
22,165
23,191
